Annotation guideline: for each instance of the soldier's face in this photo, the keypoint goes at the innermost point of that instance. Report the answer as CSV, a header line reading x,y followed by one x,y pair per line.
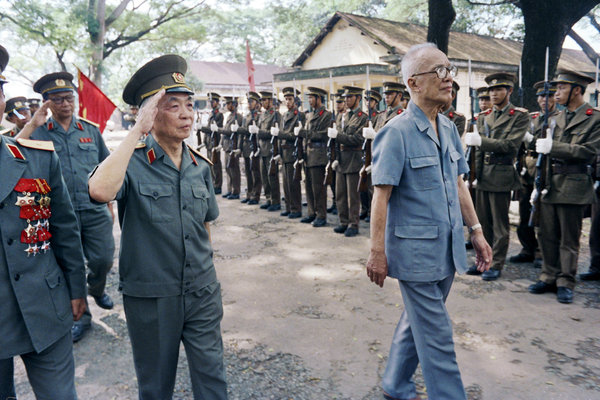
x,y
253,104
562,93
340,107
312,101
391,98
351,101
404,102
541,100
373,103
2,101
484,103
289,102
62,104
499,95
266,103
20,123
230,107
174,117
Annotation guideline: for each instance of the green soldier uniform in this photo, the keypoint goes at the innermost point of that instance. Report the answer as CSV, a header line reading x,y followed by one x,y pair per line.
x,y
573,147
483,97
232,161
374,98
291,188
496,175
212,140
251,162
18,113
170,289
267,120
349,140
390,88
457,118
80,148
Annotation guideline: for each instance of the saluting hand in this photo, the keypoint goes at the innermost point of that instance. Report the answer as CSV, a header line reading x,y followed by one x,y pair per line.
x,y
147,113
377,267
39,117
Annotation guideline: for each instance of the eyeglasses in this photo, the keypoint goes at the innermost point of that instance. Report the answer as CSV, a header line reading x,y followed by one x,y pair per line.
x,y
441,71
59,100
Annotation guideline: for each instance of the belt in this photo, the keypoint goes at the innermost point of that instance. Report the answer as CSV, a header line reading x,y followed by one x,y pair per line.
x,y
315,145
491,158
350,148
532,153
565,169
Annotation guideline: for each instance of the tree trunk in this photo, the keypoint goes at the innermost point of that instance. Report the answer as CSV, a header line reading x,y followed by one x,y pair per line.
x,y
97,30
585,46
441,17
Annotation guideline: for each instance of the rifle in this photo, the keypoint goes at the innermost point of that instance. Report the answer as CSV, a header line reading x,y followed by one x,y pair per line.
x,y
470,154
274,142
520,164
331,142
253,145
233,139
299,155
215,138
363,181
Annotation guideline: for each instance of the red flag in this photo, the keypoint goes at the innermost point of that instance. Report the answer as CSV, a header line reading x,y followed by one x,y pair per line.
x,y
250,66
93,104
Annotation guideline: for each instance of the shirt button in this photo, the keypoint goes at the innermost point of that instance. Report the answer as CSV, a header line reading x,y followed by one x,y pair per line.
x,y
188,265
9,242
17,277
187,284
184,206
1,206
154,194
187,237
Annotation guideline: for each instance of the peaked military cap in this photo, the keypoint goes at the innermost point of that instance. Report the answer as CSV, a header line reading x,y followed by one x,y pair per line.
x,y
352,91
339,96
373,95
500,79
572,77
230,99
289,91
33,102
165,72
53,83
390,87
539,88
266,95
3,63
315,91
483,92
455,86
406,94
253,96
16,103
213,96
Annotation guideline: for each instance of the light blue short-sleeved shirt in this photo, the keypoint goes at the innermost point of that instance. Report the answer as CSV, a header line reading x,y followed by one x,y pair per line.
x,y
424,238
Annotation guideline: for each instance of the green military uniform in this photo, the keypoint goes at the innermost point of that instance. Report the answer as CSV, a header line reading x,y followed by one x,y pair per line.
x,y
349,141
266,121
212,140
170,289
496,175
482,93
374,117
251,162
291,188
576,142
390,112
457,118
232,161
80,148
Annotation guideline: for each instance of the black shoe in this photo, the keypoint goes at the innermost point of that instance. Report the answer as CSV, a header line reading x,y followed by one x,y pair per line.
x,y
78,332
252,202
274,207
319,222
284,213
265,206
304,204
340,228
217,190
564,295
294,215
334,212
104,301
330,209
233,197
469,245
473,270
491,275
590,276
363,215
227,194
537,263
368,219
309,219
244,200
521,258
541,287
351,232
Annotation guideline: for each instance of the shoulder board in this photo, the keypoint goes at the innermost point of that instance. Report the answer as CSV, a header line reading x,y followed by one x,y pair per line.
x,y
597,108
4,132
534,114
484,112
140,145
37,144
459,114
90,122
523,110
197,153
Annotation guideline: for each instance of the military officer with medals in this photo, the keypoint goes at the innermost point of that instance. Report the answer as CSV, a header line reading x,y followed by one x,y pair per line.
x,y
228,137
18,113
212,139
572,148
42,270
292,119
349,139
497,145
164,188
80,147
246,139
268,125
392,92
449,112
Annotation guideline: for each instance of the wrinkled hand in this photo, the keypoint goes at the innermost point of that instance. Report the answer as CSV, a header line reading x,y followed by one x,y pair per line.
x,y
483,251
275,130
234,127
472,139
332,132
297,128
377,268
39,118
528,138
253,129
543,146
77,308
147,113
369,132
214,127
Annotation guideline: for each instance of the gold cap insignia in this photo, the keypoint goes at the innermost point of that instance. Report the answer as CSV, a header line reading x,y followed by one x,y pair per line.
x,y
60,82
178,77
494,81
18,104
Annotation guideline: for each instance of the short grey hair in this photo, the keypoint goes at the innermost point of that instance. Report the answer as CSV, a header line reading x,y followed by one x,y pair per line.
x,y
410,62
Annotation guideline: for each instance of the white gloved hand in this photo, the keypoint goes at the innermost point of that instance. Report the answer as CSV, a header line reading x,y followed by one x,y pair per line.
x,y
218,148
234,127
203,123
201,146
297,128
275,130
335,165
256,153
528,138
332,132
253,129
472,139
368,169
214,127
543,146
369,132
237,152
533,196
277,158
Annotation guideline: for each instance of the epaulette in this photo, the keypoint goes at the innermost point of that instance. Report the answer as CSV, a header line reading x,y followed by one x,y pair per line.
x,y
534,114
47,145
90,122
4,132
196,152
140,145
485,112
523,110
459,114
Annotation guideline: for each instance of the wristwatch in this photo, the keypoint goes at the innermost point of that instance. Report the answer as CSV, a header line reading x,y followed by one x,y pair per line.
x,y
474,228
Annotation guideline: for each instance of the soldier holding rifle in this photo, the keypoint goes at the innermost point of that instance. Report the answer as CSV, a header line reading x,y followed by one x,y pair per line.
x,y
267,120
364,182
212,139
291,187
248,144
229,142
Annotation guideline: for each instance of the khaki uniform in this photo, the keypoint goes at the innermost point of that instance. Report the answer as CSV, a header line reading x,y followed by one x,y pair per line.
x,y
251,167
349,142
387,116
456,117
232,162
575,145
287,148
266,121
496,175
217,168
316,159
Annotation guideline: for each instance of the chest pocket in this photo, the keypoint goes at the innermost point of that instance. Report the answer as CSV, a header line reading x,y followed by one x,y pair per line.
x,y
89,152
425,172
454,157
158,201
200,194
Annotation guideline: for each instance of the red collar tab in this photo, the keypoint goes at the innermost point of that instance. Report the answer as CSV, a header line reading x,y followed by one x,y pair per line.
x,y
534,116
216,110
488,111
589,111
374,114
400,111
360,114
193,158
271,111
85,139
79,125
32,185
151,156
512,111
321,112
475,118
451,114
295,112
50,126
16,153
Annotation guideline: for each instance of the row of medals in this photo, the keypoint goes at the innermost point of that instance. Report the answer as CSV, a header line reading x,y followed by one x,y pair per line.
x,y
42,225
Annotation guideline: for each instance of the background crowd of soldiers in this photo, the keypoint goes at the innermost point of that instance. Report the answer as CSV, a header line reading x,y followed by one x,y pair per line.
x,y
546,160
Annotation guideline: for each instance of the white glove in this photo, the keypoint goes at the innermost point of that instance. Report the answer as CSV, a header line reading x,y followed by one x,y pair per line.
x,y
527,138
256,153
368,169
201,146
218,148
472,139
237,152
214,127
297,128
234,127
253,129
533,196
332,132
334,165
369,132
204,124
275,130
277,158
543,146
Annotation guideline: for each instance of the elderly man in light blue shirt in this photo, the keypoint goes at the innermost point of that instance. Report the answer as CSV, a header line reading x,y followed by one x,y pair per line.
x,y
419,203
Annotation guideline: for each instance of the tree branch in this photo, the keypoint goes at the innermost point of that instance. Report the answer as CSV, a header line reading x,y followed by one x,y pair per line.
x,y
593,21
587,49
116,12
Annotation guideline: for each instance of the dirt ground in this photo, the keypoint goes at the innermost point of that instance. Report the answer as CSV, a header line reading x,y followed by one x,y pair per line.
x,y
302,321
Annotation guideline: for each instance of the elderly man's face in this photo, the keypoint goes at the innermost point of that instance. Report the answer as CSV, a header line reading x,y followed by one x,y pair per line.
x,y
62,104
174,117
428,87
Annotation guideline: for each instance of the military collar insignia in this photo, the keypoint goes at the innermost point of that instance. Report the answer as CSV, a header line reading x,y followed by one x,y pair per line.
x,y
589,111
295,112
489,110
535,115
192,156
512,111
475,118
450,114
321,112
15,152
374,114
271,111
198,154
400,111
50,125
360,114
151,155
